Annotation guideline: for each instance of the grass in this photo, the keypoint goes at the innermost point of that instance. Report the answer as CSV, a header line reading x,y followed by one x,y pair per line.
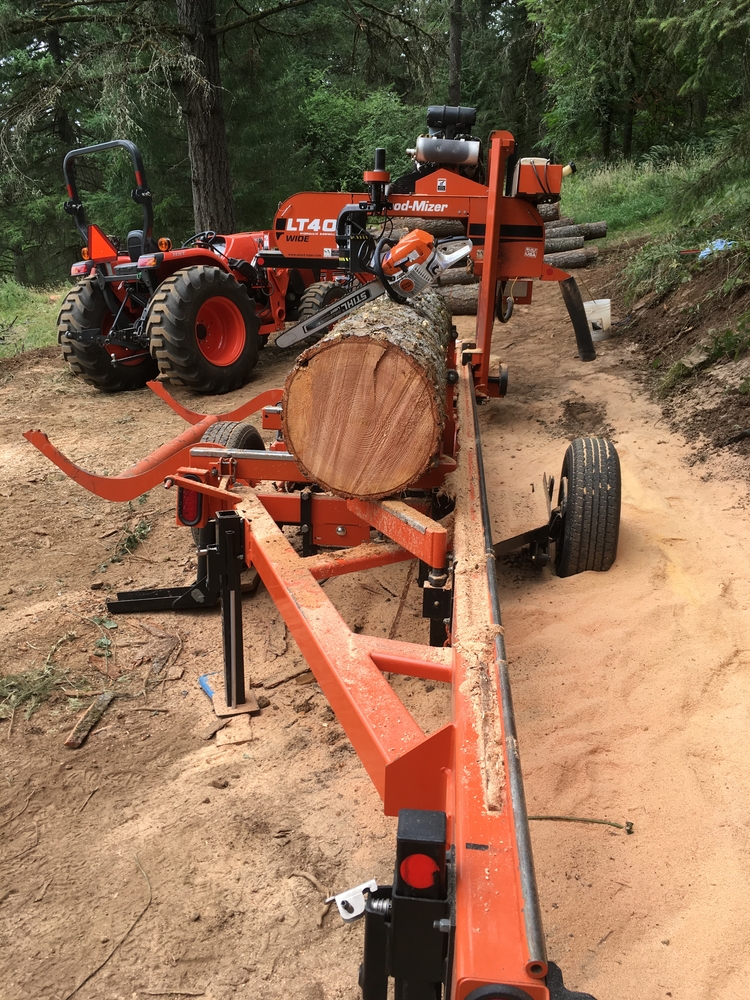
x,y
730,344
633,198
32,687
28,317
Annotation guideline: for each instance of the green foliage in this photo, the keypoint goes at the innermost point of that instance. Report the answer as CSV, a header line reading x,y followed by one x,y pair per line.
x,y
342,128
27,317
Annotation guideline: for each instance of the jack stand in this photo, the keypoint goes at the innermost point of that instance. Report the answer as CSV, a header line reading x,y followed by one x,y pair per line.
x,y
204,593
230,552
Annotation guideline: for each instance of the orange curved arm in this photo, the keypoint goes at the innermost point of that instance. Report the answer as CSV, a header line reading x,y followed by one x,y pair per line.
x,y
268,398
166,460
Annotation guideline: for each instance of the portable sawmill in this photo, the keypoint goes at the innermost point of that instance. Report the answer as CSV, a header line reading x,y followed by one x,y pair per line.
x,y
377,441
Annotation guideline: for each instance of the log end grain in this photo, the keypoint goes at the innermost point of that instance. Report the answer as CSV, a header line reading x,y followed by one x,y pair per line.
x,y
363,410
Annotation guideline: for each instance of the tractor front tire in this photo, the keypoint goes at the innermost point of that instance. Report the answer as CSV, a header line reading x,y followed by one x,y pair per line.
x,y
590,499
84,308
316,297
231,434
203,330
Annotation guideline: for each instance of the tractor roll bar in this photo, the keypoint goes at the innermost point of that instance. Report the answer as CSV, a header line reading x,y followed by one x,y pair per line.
x,y
140,195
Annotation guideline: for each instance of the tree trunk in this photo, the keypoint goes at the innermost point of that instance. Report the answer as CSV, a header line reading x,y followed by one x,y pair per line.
x,y
572,259
461,300
627,135
559,223
589,231
213,207
364,409
454,53
558,246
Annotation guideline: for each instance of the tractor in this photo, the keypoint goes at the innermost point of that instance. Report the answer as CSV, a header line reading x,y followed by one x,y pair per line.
x,y
197,315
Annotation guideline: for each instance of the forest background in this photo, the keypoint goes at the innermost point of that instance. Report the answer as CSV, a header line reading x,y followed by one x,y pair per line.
x,y
236,105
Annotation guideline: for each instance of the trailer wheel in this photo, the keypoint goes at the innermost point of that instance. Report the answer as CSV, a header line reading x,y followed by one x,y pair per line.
x,y
203,330
231,434
316,297
84,308
589,500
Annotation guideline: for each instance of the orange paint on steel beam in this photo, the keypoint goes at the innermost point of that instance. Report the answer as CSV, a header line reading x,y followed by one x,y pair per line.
x,y
132,483
491,942
367,555
420,534
379,726
268,398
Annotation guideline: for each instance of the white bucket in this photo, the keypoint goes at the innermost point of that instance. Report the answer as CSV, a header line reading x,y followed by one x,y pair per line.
x,y
598,313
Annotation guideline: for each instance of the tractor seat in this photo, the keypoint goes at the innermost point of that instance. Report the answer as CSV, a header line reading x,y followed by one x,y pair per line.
x,y
137,245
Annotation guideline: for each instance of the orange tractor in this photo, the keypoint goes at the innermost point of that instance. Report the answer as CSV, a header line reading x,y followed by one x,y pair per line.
x,y
197,315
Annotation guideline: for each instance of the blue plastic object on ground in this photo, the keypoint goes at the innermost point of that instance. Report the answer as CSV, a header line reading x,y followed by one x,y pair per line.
x,y
714,247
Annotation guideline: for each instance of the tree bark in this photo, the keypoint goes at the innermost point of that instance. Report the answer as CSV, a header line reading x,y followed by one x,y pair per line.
x,y
558,246
364,409
457,276
461,300
589,231
549,212
436,227
454,53
213,206
559,223
572,259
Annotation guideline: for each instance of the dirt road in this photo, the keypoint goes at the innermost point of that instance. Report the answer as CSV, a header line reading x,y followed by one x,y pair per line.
x,y
631,691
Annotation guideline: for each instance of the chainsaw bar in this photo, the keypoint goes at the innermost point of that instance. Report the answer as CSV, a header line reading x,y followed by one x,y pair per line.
x,y
323,319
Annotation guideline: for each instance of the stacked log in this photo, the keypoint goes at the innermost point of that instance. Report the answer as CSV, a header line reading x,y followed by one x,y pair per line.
x,y
565,247
364,408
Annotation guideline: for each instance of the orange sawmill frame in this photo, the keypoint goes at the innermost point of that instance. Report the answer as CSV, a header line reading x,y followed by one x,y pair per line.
x,y
469,769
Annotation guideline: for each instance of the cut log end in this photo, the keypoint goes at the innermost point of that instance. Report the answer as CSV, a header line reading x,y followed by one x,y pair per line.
x,y
363,410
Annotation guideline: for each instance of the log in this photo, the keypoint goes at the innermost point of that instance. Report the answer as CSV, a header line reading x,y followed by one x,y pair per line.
x,y
549,212
437,227
558,246
457,276
573,258
461,300
589,231
559,223
363,410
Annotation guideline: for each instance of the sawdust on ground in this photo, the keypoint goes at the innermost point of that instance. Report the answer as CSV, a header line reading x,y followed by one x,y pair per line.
x,y
631,692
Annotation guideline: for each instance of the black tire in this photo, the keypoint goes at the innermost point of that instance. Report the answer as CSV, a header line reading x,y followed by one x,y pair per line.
x,y
590,498
203,330
84,308
231,434
316,297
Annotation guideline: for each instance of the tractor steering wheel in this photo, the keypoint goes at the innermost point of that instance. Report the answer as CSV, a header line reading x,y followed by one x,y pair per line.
x,y
206,237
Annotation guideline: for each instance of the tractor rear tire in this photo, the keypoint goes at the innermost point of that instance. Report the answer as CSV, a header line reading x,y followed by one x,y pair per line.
x,y
203,330
84,308
316,297
231,434
590,498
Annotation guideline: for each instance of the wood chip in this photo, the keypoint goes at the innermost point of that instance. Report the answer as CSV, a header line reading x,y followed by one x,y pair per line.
x,y
88,720
287,673
214,727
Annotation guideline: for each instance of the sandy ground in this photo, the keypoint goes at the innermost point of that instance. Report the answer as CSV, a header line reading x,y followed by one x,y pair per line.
x,y
631,692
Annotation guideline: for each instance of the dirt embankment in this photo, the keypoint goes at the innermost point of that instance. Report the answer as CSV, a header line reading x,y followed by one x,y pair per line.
x,y
631,691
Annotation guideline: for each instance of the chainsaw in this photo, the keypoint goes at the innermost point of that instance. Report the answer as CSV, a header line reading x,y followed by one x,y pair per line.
x,y
407,268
